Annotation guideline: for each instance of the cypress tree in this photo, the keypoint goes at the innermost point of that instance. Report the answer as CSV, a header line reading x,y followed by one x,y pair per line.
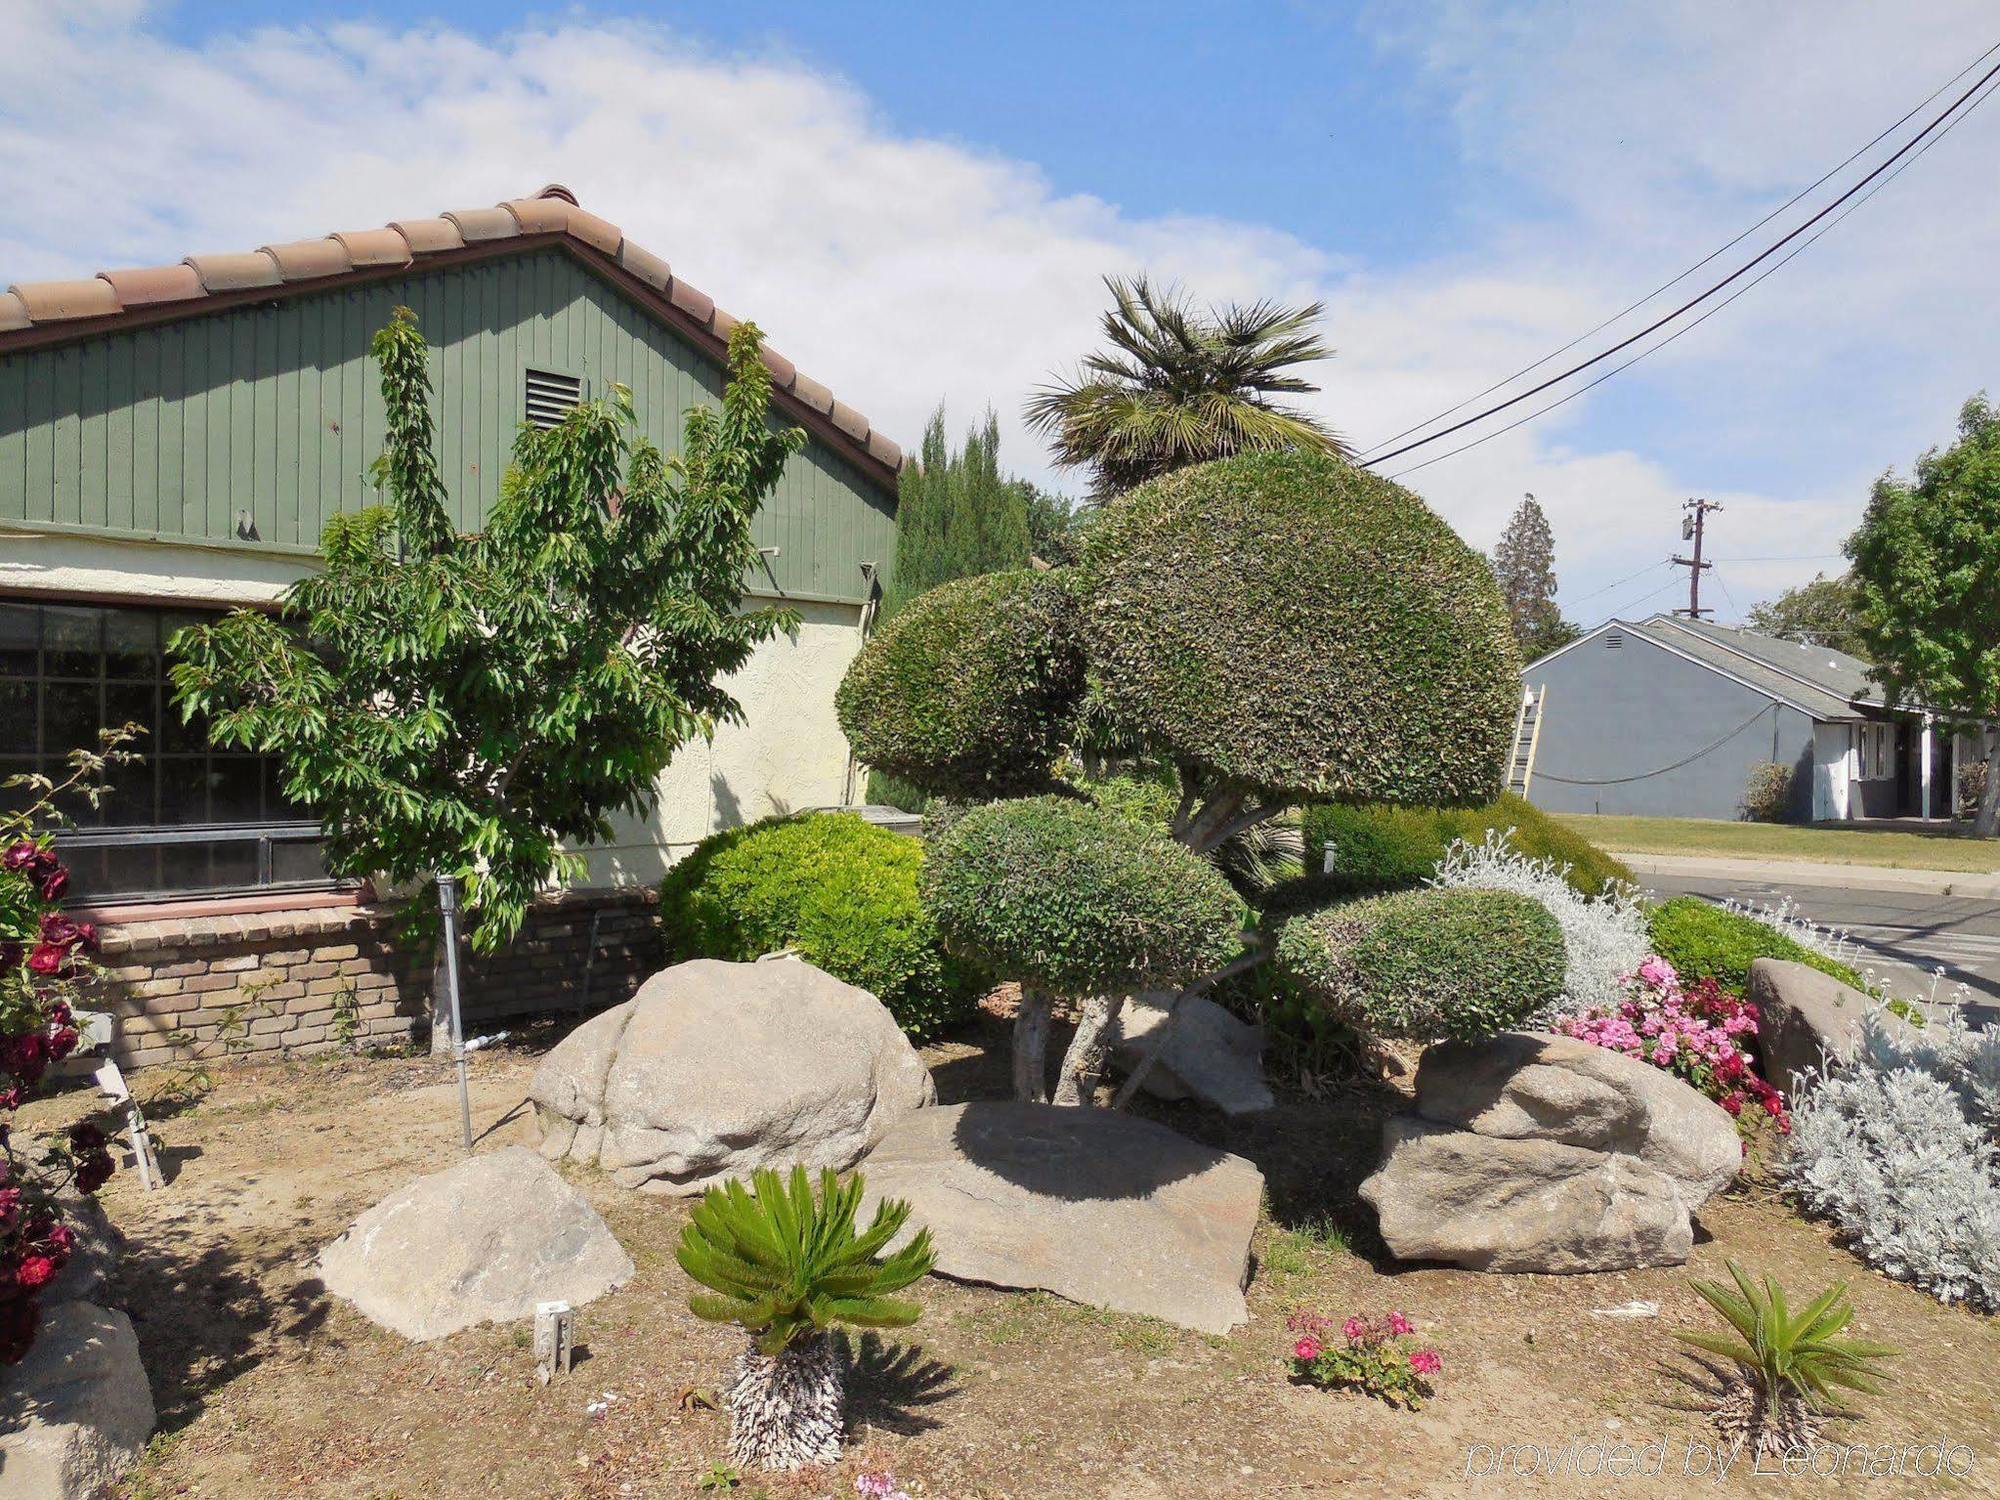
x,y
956,516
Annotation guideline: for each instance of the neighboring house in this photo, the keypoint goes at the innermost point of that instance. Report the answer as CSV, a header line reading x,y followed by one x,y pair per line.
x,y
1667,716
172,440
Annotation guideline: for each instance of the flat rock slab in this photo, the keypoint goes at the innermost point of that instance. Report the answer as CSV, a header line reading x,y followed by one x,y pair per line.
x,y
77,1410
1100,1208
715,1069
1210,1055
1494,1204
481,1242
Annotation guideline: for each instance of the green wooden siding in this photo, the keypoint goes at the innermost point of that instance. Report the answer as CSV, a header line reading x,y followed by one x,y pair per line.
x,y
275,410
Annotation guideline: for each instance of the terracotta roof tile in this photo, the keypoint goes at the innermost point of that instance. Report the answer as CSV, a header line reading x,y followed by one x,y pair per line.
x,y
150,285
479,224
58,301
374,247
233,273
428,236
645,265
26,306
305,260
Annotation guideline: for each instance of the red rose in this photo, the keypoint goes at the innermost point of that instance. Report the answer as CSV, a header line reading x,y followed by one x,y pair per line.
x,y
48,958
93,1172
35,1272
54,883
23,854
10,1207
59,1243
62,1042
85,1135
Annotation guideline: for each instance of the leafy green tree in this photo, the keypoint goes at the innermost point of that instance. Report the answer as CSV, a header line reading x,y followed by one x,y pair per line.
x,y
1525,565
1181,386
956,515
1825,612
480,704
1927,560
1053,523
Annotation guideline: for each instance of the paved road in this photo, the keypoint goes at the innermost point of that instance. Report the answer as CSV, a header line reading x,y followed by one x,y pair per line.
x,y
1901,931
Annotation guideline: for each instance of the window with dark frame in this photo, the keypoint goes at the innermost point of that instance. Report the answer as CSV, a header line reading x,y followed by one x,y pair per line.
x,y
186,819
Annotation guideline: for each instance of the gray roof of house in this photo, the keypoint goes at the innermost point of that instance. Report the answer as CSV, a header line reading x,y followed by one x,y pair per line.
x,y
1825,683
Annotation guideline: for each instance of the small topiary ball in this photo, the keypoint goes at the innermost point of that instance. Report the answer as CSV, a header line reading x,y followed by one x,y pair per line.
x,y
1293,622
1428,963
971,689
1078,900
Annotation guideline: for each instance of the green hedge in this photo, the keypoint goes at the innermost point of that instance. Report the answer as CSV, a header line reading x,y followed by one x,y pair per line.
x,y
971,690
1289,621
837,888
1077,899
1379,848
1427,963
1705,942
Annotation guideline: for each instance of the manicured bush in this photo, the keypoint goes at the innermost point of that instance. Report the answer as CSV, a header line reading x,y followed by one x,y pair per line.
x,y
1705,942
837,888
1767,792
1427,963
971,689
1292,624
1378,848
1078,900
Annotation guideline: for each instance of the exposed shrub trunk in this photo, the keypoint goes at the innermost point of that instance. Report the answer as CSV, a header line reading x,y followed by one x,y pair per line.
x,y
785,1410
1083,1063
1031,1047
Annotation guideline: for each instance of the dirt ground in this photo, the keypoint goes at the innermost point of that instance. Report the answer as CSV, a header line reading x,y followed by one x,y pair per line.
x,y
268,1387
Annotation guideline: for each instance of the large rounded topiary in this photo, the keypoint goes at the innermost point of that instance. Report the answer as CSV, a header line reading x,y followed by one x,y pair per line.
x,y
1078,900
837,888
1291,623
970,690
1427,963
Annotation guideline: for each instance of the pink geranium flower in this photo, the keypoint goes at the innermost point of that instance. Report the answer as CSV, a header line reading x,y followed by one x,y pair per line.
x,y
1426,1362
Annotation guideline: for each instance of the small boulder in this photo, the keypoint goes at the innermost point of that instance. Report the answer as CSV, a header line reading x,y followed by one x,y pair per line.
x,y
1805,1020
481,1242
77,1410
1493,1203
1536,1086
1103,1209
1210,1055
715,1069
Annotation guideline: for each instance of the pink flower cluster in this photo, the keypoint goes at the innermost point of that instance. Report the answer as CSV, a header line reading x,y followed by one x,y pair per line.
x,y
1692,1031
879,1487
1370,1355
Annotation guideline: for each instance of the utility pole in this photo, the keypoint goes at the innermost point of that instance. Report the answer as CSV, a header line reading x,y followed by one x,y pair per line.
x,y
1693,524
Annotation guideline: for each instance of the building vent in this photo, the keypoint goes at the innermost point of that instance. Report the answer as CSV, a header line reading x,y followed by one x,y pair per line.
x,y
551,397
1614,640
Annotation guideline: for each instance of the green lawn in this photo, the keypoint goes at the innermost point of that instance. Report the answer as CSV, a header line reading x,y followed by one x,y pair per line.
x,y
1900,848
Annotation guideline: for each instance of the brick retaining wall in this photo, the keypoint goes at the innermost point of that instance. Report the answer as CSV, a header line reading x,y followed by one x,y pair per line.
x,y
268,983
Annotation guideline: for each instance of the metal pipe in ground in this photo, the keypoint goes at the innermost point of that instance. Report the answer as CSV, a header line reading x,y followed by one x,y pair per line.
x,y
448,914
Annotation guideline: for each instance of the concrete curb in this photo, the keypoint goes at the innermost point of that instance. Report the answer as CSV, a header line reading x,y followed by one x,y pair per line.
x,y
1801,872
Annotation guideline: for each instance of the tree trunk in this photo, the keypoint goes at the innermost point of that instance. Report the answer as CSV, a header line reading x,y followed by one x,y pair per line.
x,y
786,1410
1083,1064
1986,821
440,998
1031,1047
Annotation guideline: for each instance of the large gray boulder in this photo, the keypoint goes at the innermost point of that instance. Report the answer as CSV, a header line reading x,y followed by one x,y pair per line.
x,y
1534,1152
1521,1204
1209,1055
1536,1086
1806,1020
716,1069
1101,1208
481,1242
77,1409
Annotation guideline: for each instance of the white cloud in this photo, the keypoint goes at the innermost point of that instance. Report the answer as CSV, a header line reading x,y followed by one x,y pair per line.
x,y
901,270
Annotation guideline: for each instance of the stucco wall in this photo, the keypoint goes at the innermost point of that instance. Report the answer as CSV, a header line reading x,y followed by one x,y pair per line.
x,y
1618,720
786,755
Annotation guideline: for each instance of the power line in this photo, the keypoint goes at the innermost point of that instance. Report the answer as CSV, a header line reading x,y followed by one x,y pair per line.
x,y
1693,302
1705,260
1619,583
1690,328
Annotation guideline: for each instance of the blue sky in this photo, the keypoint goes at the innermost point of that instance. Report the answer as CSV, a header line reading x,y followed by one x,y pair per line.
x,y
916,201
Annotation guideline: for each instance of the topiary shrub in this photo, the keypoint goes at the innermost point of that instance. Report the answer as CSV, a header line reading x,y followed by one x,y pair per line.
x,y
1377,847
1427,963
1296,626
840,890
1078,900
1705,942
971,689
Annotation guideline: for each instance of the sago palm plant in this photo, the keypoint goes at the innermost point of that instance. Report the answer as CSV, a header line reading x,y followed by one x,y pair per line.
x,y
1181,386
787,1267
1789,1364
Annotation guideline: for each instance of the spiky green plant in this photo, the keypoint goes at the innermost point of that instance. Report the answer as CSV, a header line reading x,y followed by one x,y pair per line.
x,y
1791,1364
786,1267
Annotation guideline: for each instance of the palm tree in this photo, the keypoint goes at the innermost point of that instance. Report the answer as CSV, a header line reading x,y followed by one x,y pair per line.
x,y
1180,386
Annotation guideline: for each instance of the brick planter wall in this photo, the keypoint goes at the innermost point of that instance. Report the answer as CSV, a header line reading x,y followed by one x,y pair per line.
x,y
269,983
